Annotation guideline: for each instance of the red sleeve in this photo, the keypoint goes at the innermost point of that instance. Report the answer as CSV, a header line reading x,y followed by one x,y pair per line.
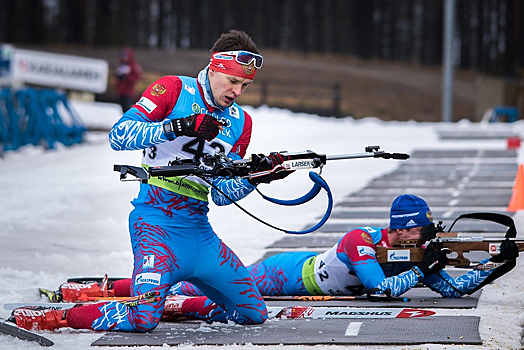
x,y
240,147
159,99
357,245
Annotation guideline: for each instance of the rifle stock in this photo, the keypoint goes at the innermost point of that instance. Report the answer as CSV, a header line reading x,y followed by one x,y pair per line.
x,y
457,248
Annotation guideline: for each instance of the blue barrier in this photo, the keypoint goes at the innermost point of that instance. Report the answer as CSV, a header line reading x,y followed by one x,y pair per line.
x,y
4,134
499,112
10,135
38,117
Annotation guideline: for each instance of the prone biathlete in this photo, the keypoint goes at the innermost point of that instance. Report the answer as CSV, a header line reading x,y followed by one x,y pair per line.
x,y
350,267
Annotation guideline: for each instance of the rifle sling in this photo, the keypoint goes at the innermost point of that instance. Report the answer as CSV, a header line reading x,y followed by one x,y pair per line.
x,y
494,217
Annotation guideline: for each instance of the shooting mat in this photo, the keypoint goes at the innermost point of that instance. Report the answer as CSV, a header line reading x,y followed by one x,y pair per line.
x,y
434,329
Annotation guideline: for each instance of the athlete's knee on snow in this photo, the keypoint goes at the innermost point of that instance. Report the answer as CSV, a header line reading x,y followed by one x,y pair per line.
x,y
144,319
145,325
256,314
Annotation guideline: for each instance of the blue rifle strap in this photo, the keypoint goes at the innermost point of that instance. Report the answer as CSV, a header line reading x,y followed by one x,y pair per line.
x,y
317,186
319,183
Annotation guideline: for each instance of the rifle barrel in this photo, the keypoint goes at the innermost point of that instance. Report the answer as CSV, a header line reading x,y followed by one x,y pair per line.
x,y
350,156
375,154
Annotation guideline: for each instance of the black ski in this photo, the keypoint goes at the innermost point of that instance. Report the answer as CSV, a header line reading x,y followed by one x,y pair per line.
x,y
9,328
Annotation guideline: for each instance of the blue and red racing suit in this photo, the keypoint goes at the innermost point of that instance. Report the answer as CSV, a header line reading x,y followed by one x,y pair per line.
x,y
348,268
171,236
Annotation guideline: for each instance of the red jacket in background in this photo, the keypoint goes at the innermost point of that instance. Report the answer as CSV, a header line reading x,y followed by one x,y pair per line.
x,y
127,73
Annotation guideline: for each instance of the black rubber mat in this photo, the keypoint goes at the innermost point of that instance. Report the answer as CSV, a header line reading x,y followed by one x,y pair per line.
x,y
399,184
407,184
399,176
342,228
460,168
433,329
482,229
328,238
383,214
482,201
385,202
423,192
422,153
476,134
306,241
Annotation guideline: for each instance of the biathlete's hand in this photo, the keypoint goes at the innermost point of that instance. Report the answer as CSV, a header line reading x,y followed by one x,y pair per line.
x,y
433,260
260,162
197,125
269,164
277,175
276,158
509,250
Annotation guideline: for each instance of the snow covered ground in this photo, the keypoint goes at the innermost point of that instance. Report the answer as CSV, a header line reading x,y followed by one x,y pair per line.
x,y
63,213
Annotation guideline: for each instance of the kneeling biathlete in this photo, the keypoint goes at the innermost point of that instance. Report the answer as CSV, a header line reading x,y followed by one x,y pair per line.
x,y
172,239
348,268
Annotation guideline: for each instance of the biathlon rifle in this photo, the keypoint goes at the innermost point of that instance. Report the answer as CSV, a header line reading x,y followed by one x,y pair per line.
x,y
221,166
456,242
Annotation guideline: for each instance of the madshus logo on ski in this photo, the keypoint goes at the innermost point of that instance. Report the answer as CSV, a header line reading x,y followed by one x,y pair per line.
x,y
359,313
345,312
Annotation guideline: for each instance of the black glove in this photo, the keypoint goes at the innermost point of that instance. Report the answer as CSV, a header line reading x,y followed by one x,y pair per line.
x,y
509,250
196,125
262,163
429,231
433,261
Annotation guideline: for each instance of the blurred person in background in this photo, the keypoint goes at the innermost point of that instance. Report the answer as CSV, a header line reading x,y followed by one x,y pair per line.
x,y
127,75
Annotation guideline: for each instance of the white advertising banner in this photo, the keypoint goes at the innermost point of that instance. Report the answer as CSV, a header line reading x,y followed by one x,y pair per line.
x,y
60,71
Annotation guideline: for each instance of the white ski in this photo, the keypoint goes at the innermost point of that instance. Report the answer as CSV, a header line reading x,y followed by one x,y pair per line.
x,y
53,306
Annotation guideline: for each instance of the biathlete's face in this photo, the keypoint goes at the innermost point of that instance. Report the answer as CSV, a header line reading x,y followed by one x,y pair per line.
x,y
408,234
227,88
405,234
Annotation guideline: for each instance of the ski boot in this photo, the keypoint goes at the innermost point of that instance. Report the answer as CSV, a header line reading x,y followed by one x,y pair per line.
x,y
39,318
71,292
54,296
173,308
